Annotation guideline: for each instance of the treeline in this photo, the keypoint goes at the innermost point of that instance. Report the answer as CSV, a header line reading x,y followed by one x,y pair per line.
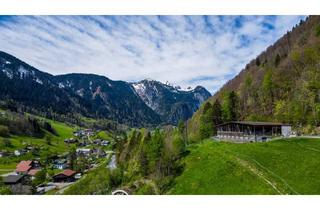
x,y
69,118
288,93
12,123
150,160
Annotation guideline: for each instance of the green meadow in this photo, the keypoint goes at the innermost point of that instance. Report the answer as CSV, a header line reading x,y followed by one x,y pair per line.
x,y
288,166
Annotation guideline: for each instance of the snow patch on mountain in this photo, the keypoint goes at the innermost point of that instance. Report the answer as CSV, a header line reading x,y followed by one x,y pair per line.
x,y
139,87
61,85
8,73
80,92
23,72
148,99
39,81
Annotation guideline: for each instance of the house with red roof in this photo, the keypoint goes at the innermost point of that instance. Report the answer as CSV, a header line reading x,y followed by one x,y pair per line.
x,y
24,166
65,176
27,167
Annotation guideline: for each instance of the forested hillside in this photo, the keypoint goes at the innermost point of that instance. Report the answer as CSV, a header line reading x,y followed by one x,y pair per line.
x,y
281,85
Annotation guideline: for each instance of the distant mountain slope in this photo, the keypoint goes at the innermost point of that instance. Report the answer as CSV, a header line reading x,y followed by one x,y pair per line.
x,y
169,102
94,96
281,84
31,87
114,99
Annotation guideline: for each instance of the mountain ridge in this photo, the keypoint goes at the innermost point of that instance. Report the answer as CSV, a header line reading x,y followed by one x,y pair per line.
x,y
90,95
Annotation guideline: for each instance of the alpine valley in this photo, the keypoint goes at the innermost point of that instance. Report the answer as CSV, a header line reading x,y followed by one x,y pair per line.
x,y
84,134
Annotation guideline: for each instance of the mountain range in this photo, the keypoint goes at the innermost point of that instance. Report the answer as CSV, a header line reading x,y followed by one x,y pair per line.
x,y
144,103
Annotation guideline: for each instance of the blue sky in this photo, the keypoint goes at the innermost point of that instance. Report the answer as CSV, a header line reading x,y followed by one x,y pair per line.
x,y
183,50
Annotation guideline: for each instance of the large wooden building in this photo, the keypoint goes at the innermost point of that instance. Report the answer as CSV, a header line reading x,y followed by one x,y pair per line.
x,y
246,131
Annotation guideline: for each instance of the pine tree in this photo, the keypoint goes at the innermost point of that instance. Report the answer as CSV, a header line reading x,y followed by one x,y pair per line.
x,y
206,121
217,115
230,106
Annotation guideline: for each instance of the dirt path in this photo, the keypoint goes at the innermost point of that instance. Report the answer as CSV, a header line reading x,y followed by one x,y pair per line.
x,y
308,148
260,174
268,176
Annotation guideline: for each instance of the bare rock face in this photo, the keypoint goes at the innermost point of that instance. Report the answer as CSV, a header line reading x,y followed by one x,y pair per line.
x,y
171,103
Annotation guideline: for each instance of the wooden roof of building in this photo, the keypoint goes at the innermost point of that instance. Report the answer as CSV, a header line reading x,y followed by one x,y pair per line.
x,y
12,179
254,123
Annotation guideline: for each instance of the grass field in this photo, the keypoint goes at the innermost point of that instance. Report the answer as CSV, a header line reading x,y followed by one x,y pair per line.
x,y
289,166
18,142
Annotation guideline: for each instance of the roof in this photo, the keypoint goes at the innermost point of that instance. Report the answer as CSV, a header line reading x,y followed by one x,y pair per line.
x,y
11,179
253,123
24,166
67,172
33,172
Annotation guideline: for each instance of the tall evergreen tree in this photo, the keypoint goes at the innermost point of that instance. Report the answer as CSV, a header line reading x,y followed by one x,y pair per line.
x,y
230,106
216,115
206,121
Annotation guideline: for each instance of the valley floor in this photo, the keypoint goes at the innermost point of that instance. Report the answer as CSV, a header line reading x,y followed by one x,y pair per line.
x,y
288,166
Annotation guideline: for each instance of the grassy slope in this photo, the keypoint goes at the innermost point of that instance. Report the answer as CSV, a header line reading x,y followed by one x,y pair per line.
x,y
18,142
278,167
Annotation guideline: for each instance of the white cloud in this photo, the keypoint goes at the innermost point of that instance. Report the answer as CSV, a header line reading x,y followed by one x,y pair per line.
x,y
177,49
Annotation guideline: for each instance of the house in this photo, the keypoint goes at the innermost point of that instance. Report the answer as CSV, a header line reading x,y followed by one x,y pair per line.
x,y
70,141
84,132
99,153
60,164
25,166
65,176
19,184
247,131
3,154
97,141
105,143
77,176
83,151
20,152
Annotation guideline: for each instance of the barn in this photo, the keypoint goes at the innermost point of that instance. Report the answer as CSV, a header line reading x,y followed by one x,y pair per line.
x,y
248,131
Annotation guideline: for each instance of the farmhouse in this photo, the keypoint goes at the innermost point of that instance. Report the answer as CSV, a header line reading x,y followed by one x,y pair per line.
x,y
26,165
60,164
19,184
83,152
246,131
65,176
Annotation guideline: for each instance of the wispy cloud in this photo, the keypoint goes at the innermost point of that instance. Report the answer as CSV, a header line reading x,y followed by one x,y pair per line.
x,y
184,50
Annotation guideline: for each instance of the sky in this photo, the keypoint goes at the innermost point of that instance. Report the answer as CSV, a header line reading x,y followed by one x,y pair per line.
x,y
185,51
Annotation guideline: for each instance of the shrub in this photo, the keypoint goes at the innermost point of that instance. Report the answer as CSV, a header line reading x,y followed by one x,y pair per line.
x,y
4,131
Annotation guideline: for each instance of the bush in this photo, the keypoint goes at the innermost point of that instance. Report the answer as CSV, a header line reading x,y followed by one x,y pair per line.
x,y
146,189
97,182
7,142
4,190
4,131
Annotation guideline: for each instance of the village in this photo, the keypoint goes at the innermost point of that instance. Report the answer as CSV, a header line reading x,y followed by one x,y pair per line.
x,y
87,153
